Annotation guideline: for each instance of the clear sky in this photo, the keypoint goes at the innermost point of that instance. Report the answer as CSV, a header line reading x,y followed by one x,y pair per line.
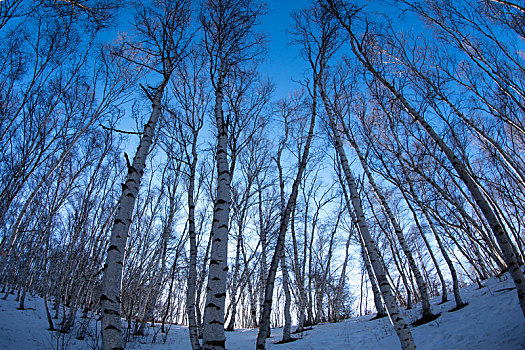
x,y
283,64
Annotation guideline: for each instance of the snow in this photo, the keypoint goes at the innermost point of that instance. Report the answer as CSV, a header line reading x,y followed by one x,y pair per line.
x,y
492,320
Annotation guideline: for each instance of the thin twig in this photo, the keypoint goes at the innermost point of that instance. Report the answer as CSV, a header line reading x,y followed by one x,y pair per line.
x,y
121,131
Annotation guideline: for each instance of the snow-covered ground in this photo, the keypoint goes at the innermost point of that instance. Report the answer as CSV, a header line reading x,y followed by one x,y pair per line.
x,y
493,320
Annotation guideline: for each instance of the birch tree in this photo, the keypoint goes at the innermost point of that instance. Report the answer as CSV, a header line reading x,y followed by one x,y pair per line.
x,y
329,39
163,33
361,49
230,41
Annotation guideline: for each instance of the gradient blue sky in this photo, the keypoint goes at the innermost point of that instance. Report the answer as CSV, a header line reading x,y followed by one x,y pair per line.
x,y
283,64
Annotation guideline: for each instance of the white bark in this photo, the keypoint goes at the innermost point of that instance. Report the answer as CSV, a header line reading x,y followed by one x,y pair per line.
x,y
287,300
375,289
425,300
112,278
285,218
213,327
192,273
474,190
450,264
402,330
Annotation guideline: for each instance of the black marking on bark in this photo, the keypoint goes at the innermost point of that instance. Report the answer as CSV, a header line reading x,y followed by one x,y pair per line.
x,y
119,221
215,343
113,247
112,327
213,305
217,322
215,279
111,312
220,295
130,195
214,262
132,169
105,297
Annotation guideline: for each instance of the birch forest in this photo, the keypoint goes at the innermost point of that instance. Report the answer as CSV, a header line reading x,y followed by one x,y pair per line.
x,y
152,174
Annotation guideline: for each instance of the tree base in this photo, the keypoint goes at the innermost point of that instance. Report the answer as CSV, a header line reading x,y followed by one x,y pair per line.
x,y
286,341
378,316
302,330
458,307
425,319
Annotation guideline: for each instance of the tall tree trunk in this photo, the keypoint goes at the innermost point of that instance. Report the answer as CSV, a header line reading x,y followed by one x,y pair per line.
x,y
402,330
192,235
453,273
213,327
444,293
285,218
112,277
497,229
200,284
263,239
287,300
234,284
375,289
425,300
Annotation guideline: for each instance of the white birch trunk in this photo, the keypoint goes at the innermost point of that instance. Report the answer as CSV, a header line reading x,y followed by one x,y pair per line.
x,y
450,264
192,272
213,327
112,278
474,190
401,327
287,301
285,218
375,289
425,300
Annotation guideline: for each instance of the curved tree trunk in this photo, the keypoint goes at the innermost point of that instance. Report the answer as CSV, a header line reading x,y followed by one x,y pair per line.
x,y
495,225
453,273
375,289
112,278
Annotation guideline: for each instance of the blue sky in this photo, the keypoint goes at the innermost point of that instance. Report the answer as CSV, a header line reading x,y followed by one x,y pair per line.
x,y
283,64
